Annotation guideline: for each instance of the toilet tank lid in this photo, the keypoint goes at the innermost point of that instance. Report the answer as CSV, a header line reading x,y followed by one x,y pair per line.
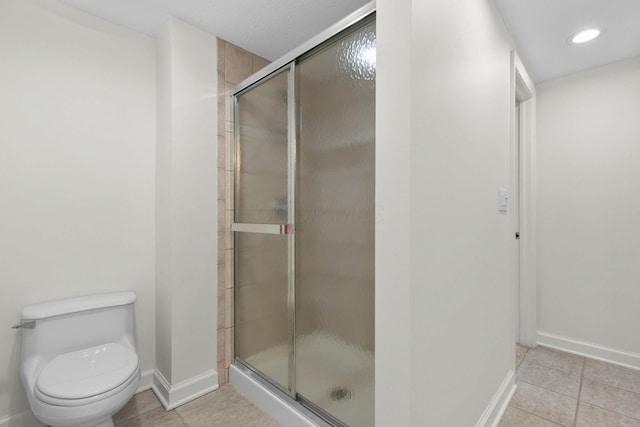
x,y
74,305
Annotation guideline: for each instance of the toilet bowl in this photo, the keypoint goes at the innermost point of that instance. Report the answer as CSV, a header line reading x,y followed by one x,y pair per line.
x,y
79,364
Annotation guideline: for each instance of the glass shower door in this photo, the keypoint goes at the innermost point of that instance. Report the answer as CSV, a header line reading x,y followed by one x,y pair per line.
x,y
304,227
262,245
335,227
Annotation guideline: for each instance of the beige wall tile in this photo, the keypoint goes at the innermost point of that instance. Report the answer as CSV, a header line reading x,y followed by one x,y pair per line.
x,y
221,215
222,311
229,186
222,153
221,253
238,63
228,345
222,95
228,218
229,270
220,44
221,247
220,123
228,310
221,284
229,102
223,374
222,177
258,63
229,239
229,147
221,351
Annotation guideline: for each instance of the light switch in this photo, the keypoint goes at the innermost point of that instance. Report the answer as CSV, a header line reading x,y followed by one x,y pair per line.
x,y
503,200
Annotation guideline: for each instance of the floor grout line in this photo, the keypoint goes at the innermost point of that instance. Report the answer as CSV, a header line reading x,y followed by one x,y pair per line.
x,y
182,420
575,415
538,416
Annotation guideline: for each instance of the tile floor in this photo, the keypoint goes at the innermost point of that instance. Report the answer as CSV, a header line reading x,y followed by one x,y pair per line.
x,y
554,389
224,407
561,389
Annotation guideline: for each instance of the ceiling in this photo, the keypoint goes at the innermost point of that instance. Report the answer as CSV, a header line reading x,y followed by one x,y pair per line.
x,y
541,29
271,28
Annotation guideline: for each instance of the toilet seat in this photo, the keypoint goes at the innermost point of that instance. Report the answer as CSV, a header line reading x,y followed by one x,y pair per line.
x,y
86,376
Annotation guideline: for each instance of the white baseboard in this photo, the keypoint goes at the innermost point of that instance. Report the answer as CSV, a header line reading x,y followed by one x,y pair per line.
x,y
146,380
492,415
590,350
172,396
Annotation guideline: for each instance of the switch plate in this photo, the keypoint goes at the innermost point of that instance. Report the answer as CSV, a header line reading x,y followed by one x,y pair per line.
x,y
503,200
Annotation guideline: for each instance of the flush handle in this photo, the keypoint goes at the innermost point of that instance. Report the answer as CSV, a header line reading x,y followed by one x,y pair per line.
x,y
25,325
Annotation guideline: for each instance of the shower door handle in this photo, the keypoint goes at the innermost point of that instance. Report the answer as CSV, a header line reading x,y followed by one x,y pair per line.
x,y
262,228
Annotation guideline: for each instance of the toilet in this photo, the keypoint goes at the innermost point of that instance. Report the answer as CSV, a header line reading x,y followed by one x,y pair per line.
x,y
79,364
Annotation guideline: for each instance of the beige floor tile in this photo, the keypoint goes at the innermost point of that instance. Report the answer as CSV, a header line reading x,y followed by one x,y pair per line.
x,y
155,418
612,398
224,407
551,379
514,417
545,403
138,405
592,416
521,352
612,375
565,362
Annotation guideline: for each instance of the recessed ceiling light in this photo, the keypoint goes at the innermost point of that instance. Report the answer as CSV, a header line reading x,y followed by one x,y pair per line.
x,y
585,36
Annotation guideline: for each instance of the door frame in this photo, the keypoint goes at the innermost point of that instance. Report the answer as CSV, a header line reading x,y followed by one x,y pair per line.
x,y
523,91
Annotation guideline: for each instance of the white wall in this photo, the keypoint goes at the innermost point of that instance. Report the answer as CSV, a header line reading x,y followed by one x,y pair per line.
x,y
186,229
456,299
589,206
77,159
393,370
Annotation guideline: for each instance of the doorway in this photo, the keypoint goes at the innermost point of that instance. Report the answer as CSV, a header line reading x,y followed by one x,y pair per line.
x,y
524,204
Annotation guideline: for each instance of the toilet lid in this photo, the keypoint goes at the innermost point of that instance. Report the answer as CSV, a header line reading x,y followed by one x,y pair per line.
x,y
88,372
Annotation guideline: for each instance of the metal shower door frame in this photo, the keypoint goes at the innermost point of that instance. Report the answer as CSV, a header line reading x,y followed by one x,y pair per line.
x,y
287,229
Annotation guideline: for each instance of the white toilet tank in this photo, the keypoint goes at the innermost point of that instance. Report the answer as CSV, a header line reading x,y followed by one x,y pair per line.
x,y
74,324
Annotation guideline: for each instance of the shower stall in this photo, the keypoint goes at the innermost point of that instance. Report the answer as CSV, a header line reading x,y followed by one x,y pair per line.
x,y
304,225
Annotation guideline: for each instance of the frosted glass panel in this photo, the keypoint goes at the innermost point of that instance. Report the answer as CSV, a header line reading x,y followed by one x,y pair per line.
x,y
261,268
261,303
335,228
261,153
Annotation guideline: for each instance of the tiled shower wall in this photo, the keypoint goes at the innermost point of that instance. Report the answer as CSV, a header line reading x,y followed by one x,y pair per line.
x,y
234,65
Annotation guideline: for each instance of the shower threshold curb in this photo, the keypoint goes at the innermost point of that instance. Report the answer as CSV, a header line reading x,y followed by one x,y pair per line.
x,y
286,411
